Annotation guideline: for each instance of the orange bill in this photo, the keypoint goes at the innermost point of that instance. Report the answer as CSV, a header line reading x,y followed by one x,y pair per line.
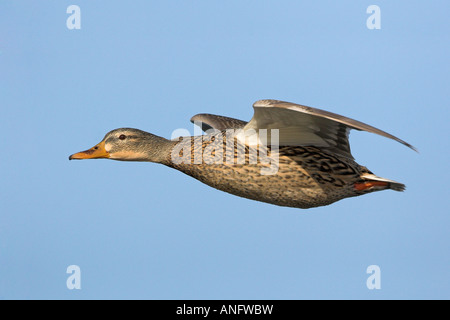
x,y
96,152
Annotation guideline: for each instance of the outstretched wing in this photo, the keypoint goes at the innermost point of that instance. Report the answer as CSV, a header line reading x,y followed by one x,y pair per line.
x,y
301,125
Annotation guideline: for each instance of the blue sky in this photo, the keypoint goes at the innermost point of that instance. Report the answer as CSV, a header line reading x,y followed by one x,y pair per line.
x,y
144,231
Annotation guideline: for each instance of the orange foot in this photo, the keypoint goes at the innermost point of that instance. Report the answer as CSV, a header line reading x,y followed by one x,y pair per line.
x,y
369,184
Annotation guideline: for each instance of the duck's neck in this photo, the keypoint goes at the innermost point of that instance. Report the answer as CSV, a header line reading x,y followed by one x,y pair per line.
x,y
157,149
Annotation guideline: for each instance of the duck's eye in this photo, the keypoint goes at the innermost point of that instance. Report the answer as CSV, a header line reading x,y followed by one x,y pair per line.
x,y
122,137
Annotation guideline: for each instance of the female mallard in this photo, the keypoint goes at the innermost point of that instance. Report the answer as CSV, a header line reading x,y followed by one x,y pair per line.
x,y
287,154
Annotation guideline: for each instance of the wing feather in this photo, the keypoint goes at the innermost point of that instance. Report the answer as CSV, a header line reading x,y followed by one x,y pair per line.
x,y
303,125
211,121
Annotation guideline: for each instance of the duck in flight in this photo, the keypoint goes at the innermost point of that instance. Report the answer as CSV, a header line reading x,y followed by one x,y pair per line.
x,y
304,162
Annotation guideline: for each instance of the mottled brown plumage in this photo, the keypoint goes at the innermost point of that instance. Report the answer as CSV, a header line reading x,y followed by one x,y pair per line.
x,y
306,177
311,166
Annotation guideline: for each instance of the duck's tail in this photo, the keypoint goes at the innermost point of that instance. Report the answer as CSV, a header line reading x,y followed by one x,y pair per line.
x,y
373,183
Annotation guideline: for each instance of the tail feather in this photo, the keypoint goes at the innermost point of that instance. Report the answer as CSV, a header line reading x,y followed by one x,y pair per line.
x,y
390,184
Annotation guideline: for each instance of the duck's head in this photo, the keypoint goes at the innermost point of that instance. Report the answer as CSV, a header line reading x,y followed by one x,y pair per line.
x,y
125,144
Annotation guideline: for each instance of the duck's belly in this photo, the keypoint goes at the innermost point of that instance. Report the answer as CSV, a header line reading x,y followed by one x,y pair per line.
x,y
291,187
304,177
